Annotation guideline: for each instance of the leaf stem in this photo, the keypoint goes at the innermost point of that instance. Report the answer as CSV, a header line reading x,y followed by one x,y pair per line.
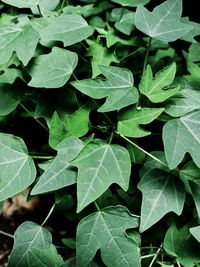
x,y
49,214
146,55
62,6
143,150
39,10
6,234
155,256
97,206
111,137
41,157
178,263
148,256
38,121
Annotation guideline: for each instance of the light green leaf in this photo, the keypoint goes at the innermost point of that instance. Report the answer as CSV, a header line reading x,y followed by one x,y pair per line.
x,y
195,231
60,174
180,244
186,101
69,29
181,136
17,169
100,56
45,6
54,69
77,124
9,99
100,165
163,23
126,23
130,120
118,88
194,70
131,3
28,235
10,75
161,193
56,133
22,39
189,37
48,257
154,88
116,248
22,3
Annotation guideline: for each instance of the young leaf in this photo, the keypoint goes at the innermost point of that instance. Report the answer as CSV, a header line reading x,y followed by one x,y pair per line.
x,y
163,23
130,120
118,88
69,29
15,38
22,3
100,165
126,23
154,88
105,230
100,56
16,167
27,236
59,174
77,124
56,133
48,257
181,136
54,69
186,101
180,244
162,193
131,3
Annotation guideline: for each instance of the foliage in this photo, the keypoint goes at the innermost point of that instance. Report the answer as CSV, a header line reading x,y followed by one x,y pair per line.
x,y
100,115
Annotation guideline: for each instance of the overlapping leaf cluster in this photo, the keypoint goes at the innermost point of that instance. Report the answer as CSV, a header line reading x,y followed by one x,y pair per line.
x,y
100,90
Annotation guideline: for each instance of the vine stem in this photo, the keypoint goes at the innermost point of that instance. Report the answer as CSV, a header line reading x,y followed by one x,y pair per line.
x,y
38,121
39,10
49,214
146,55
6,234
148,256
97,206
155,256
41,157
143,150
62,6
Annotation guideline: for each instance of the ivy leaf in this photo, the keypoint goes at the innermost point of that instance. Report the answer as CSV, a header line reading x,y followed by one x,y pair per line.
x,y
27,236
69,29
186,101
195,231
126,23
154,88
48,257
17,169
100,56
59,174
190,36
100,165
131,3
180,244
10,75
181,136
118,88
163,23
22,3
130,120
54,69
162,193
116,248
56,133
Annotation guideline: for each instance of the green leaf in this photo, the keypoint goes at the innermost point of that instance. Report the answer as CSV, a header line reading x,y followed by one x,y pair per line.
x,y
180,244
100,56
186,101
69,29
190,36
116,248
45,6
56,133
48,257
9,99
131,3
162,25
17,169
130,120
154,88
60,174
27,236
161,193
126,23
10,75
195,231
181,136
22,3
77,124
15,38
54,69
118,88
100,165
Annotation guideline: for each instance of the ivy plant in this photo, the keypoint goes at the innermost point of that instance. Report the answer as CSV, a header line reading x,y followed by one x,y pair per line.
x,y
100,116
